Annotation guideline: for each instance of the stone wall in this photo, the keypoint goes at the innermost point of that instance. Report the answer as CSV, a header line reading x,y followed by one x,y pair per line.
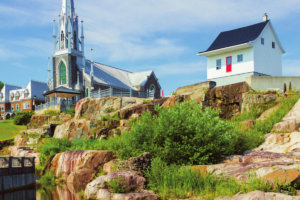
x,y
272,82
228,99
196,91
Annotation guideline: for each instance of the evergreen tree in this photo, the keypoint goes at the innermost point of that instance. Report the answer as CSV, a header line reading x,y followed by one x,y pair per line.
x,y
1,85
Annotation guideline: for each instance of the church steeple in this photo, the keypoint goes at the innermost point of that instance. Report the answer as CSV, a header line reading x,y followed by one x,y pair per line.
x,y
68,28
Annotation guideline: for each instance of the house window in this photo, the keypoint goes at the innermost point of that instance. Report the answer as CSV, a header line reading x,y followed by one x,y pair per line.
x,y
26,105
17,107
62,74
219,64
240,58
262,41
1,108
86,92
12,108
273,45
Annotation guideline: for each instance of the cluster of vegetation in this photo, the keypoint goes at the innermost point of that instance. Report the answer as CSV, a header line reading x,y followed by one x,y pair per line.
x,y
251,138
23,118
51,112
117,185
71,111
173,181
183,135
1,85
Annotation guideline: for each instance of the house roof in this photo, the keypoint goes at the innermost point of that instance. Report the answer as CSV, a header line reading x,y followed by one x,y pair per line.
x,y
237,36
62,92
119,78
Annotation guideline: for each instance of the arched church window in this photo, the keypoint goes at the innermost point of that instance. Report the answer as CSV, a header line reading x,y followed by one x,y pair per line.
x,y
62,74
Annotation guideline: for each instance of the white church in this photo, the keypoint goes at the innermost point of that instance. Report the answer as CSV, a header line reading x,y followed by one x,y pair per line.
x,y
76,77
244,52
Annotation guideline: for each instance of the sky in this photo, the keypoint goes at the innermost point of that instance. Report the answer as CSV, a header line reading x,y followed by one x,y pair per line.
x,y
138,35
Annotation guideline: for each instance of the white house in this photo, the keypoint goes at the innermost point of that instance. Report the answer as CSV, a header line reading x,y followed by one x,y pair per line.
x,y
248,51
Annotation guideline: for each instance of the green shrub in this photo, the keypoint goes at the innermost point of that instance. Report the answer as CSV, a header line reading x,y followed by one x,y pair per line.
x,y
51,147
71,111
117,185
182,134
51,112
22,118
47,180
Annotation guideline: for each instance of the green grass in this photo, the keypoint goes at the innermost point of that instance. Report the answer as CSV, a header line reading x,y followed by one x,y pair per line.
x,y
183,182
8,130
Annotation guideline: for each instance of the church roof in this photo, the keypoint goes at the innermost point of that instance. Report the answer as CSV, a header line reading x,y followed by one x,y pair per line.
x,y
119,78
237,36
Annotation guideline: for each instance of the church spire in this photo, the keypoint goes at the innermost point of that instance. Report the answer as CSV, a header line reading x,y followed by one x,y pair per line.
x,y
68,26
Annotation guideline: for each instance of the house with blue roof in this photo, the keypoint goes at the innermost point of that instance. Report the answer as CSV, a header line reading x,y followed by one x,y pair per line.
x,y
14,98
75,77
253,50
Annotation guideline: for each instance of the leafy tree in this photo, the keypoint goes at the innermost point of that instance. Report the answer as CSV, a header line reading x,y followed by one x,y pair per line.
x,y
1,85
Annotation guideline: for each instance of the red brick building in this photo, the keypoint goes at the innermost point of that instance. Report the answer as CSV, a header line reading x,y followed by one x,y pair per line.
x,y
14,99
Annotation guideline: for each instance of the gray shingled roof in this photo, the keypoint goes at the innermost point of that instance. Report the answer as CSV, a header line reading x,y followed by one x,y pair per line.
x,y
119,78
237,36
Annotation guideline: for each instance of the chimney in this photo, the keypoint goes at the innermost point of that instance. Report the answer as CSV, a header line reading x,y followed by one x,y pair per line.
x,y
265,17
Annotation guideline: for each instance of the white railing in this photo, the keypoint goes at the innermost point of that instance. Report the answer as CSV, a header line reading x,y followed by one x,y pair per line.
x,y
120,93
56,102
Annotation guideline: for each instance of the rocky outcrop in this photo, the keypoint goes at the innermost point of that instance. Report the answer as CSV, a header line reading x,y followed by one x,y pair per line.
x,y
172,100
133,182
195,92
140,163
104,194
44,121
281,143
228,99
94,109
25,151
104,117
291,122
258,195
79,167
252,99
277,159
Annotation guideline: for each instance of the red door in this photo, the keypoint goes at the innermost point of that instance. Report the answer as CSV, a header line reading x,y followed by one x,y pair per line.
x,y
228,64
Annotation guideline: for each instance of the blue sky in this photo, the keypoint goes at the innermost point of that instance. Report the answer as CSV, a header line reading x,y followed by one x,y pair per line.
x,y
138,35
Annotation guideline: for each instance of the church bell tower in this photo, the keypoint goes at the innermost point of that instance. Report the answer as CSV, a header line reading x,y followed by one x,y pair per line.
x,y
68,55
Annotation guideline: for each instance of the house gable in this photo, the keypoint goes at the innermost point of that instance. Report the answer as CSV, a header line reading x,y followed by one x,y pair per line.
x,y
268,52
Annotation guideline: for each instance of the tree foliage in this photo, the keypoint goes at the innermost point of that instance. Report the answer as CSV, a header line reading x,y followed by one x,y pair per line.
x,y
1,85
183,134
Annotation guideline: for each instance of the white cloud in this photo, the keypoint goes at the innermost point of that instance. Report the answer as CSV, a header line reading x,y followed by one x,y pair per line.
x,y
135,29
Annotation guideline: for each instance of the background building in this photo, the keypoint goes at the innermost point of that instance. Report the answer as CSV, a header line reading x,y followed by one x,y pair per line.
x,y
240,53
14,98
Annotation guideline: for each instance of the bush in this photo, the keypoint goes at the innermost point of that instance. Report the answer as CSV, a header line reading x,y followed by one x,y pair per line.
x,y
71,111
51,147
182,134
117,185
22,118
51,112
